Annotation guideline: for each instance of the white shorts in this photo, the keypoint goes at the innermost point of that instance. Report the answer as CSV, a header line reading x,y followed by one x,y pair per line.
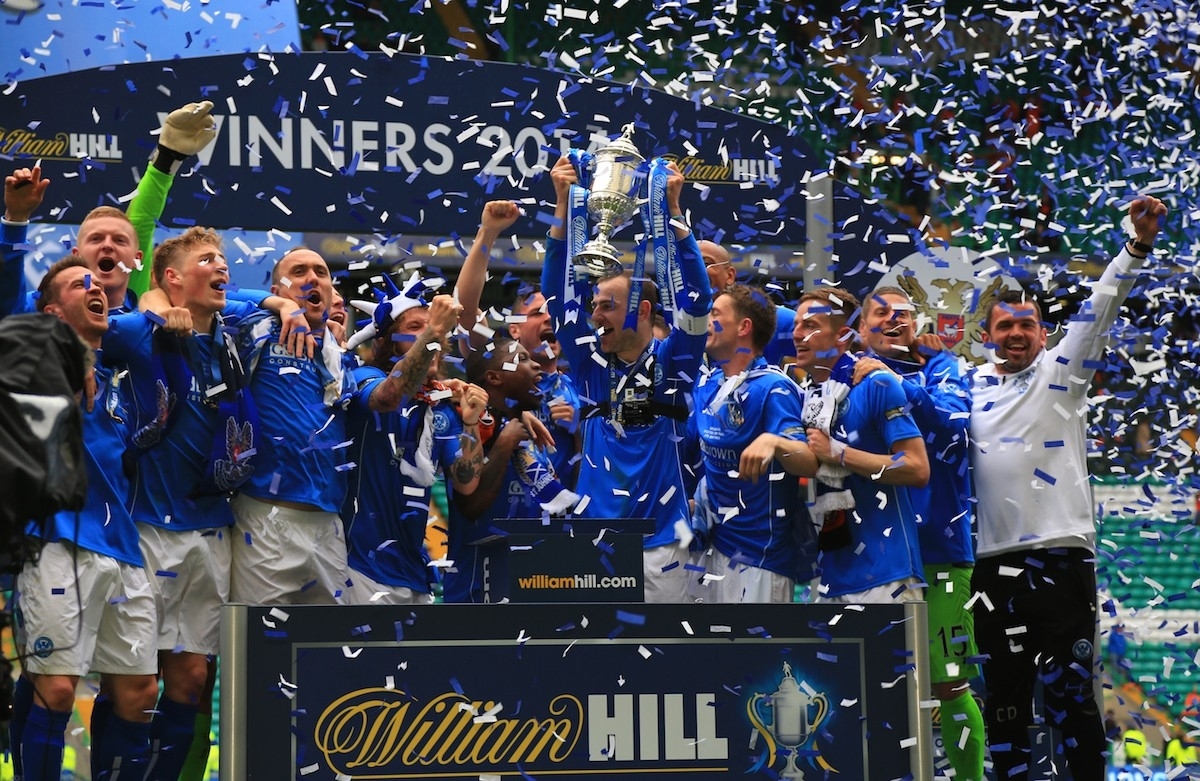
x,y
697,589
283,556
190,570
365,591
671,586
79,611
879,595
738,584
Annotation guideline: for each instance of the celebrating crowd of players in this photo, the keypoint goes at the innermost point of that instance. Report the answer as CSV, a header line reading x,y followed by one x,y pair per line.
x,y
249,451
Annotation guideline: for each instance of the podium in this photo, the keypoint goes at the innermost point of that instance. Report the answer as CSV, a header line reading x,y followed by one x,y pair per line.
x,y
529,560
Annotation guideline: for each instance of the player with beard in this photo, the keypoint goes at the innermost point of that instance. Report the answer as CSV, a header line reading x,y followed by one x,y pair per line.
x,y
104,620
288,545
940,401
636,387
1035,572
405,426
518,479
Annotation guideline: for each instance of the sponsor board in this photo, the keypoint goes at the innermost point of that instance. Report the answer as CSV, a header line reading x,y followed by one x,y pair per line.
x,y
573,691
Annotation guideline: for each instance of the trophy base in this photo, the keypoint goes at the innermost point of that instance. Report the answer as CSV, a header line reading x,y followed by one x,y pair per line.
x,y
598,259
790,771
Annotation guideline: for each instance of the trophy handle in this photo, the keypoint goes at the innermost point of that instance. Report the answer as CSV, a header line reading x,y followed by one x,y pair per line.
x,y
756,719
822,703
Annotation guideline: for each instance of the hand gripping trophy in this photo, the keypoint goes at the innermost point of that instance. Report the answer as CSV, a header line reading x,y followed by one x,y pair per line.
x,y
612,185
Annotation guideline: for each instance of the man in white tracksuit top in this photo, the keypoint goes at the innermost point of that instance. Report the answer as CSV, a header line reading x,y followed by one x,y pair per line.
x,y
1035,573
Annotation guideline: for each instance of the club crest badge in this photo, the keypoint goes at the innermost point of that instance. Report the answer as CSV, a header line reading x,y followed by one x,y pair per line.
x,y
951,291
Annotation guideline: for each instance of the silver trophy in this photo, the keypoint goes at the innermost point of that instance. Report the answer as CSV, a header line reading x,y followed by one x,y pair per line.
x,y
613,199
794,717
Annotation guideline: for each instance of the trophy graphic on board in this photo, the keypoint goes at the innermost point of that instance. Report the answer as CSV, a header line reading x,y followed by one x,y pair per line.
x,y
617,176
795,715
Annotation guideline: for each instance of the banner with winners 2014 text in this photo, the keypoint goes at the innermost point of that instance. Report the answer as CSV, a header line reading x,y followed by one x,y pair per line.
x,y
333,142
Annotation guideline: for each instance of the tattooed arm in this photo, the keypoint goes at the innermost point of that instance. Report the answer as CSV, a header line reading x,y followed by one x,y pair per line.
x,y
467,468
492,470
491,477
410,372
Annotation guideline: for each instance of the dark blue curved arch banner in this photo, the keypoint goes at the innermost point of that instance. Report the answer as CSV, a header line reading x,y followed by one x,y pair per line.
x,y
396,145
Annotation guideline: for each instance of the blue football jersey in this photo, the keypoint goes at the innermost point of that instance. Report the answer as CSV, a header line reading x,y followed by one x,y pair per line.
x,y
635,470
385,510
301,442
940,399
173,467
883,531
755,521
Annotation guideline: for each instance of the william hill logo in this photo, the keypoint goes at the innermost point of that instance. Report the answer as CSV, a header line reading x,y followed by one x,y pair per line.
x,y
378,733
735,170
22,142
381,728
590,580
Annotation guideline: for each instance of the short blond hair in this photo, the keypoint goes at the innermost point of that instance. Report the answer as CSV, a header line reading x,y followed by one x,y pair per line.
x,y
100,212
167,254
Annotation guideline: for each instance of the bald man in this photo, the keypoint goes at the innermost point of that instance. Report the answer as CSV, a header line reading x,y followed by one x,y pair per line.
x,y
288,546
722,273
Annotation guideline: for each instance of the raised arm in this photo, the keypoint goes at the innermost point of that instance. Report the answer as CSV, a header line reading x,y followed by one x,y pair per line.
x,y
187,130
1087,331
693,299
409,373
566,295
497,217
23,193
471,402
562,175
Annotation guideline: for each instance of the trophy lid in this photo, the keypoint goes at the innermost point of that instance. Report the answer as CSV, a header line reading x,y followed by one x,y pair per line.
x,y
788,685
622,146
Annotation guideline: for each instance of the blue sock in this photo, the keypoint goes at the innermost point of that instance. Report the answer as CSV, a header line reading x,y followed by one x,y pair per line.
x,y
101,712
42,744
22,702
124,752
170,739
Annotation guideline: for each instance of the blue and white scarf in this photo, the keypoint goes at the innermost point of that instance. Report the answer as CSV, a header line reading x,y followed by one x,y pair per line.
x,y
821,403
